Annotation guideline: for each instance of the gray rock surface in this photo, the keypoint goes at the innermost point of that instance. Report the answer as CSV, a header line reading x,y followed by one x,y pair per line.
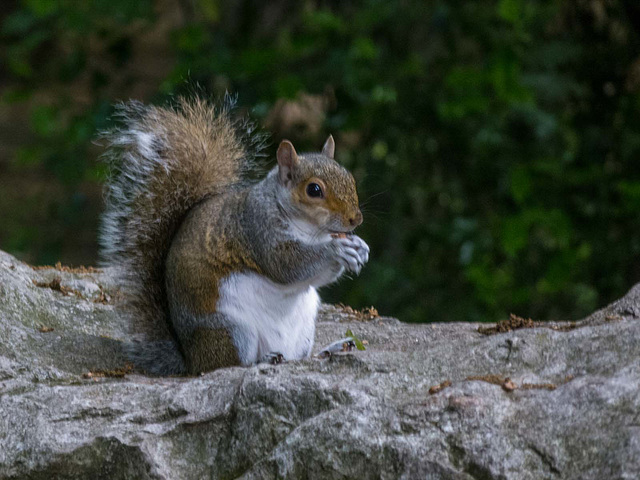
x,y
570,411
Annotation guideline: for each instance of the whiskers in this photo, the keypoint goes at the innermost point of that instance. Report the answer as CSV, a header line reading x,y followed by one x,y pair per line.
x,y
371,197
365,206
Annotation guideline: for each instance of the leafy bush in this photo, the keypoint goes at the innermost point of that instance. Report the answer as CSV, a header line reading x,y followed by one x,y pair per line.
x,y
495,142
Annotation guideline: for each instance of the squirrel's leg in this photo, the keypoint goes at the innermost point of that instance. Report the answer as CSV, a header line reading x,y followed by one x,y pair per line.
x,y
207,349
218,343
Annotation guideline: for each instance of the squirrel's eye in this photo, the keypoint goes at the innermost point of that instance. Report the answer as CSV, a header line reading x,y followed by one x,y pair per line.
x,y
314,190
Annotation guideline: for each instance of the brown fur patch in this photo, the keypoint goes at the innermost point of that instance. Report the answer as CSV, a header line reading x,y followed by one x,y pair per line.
x,y
206,249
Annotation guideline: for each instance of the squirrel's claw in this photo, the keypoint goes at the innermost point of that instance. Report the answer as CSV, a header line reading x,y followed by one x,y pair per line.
x,y
274,358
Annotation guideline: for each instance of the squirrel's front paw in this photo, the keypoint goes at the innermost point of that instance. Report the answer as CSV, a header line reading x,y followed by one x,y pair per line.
x,y
352,252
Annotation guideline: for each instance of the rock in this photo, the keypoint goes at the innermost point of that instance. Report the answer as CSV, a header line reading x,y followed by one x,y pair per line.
x,y
553,401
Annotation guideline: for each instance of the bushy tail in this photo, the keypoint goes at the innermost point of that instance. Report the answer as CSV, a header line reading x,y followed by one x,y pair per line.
x,y
164,161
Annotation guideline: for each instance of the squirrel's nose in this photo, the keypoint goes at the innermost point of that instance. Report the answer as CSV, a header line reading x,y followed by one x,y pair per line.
x,y
356,220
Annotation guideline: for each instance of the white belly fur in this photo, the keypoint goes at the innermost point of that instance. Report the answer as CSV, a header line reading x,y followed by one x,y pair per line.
x,y
272,317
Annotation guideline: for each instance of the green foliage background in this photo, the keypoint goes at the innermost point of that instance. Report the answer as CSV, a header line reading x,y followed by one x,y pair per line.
x,y
496,142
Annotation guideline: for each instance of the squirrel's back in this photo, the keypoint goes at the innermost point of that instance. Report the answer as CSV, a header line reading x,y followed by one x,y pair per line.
x,y
163,162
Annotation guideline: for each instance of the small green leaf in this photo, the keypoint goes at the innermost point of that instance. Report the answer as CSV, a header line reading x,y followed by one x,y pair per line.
x,y
356,340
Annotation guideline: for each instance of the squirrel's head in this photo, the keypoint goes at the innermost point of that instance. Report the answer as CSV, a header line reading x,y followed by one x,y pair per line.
x,y
320,192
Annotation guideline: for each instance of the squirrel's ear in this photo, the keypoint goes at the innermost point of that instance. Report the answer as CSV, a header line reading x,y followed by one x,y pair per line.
x,y
329,148
287,162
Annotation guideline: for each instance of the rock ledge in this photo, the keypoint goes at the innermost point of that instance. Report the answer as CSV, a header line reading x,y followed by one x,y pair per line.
x,y
437,401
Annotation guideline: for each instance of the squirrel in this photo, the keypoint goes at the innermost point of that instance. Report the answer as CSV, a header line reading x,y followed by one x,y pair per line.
x,y
221,269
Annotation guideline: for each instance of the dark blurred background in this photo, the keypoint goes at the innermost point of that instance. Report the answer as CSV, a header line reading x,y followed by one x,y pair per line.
x,y
496,144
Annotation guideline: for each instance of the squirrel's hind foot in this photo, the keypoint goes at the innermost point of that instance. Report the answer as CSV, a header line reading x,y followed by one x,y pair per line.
x,y
274,358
